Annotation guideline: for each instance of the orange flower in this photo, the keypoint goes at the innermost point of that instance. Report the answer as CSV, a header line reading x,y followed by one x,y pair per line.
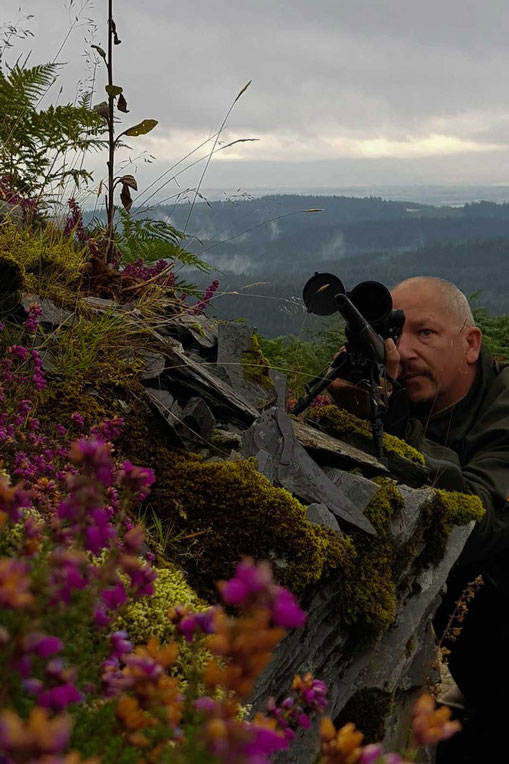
x,y
131,715
430,725
14,584
339,747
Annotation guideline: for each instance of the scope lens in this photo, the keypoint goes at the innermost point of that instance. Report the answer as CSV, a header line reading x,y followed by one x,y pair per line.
x,y
319,293
373,300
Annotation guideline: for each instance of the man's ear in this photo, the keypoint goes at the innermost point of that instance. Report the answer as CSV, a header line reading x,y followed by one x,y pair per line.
x,y
473,337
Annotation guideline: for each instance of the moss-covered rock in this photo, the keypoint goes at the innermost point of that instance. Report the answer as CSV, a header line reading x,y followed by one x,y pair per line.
x,y
51,264
369,710
222,511
449,508
368,602
340,423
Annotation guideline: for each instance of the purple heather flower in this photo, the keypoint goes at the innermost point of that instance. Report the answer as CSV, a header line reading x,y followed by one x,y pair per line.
x,y
136,479
43,645
120,643
19,351
59,697
286,611
32,686
371,754
115,597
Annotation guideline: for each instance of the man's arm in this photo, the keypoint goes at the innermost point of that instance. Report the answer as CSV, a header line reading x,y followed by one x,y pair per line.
x,y
355,398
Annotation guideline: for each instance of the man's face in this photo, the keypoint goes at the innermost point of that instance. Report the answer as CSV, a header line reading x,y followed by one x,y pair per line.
x,y
436,361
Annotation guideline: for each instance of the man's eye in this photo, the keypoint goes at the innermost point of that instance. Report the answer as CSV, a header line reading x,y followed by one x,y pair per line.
x,y
425,332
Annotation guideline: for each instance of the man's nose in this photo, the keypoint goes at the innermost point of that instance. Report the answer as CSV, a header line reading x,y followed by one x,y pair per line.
x,y
406,348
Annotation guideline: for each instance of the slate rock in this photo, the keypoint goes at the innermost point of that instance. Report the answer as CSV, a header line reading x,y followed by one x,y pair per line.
x,y
326,449
197,420
320,515
405,524
52,314
154,364
358,489
185,376
295,470
265,464
192,330
234,340
280,388
164,402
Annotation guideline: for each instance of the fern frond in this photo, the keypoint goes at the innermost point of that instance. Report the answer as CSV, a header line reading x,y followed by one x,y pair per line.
x,y
28,85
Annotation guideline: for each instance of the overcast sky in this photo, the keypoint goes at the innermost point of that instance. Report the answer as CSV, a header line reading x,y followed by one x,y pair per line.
x,y
343,93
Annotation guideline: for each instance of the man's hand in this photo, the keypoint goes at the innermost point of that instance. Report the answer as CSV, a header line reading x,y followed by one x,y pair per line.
x,y
355,398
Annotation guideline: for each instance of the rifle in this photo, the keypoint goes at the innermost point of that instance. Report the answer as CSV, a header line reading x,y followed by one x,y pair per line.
x,y
370,320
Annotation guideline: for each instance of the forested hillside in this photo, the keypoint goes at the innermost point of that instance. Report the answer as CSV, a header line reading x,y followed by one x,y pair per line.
x,y
281,240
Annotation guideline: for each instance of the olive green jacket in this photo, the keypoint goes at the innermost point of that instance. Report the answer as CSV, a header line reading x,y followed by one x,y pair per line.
x,y
466,447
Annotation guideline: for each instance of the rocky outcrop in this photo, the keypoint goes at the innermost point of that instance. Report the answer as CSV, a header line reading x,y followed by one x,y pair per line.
x,y
215,395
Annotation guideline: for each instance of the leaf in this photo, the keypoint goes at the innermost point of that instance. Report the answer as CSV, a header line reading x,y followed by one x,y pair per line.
x,y
125,197
142,128
113,90
99,190
122,104
116,40
102,109
129,180
100,51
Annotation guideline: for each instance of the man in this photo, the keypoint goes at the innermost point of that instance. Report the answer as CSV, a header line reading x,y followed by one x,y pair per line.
x,y
451,401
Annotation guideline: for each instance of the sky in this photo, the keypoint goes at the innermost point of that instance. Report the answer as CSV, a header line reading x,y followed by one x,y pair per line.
x,y
343,93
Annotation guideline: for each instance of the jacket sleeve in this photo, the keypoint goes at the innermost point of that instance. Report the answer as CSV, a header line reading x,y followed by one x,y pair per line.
x,y
485,473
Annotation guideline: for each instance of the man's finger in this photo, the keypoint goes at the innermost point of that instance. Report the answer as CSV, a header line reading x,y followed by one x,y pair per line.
x,y
391,358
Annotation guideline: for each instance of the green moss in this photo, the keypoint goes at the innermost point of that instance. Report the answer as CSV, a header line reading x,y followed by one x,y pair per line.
x,y
448,509
369,710
51,264
339,422
148,617
222,511
255,366
368,599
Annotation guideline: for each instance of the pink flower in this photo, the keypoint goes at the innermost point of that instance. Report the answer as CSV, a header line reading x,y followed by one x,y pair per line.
x,y
115,597
370,754
59,697
286,611
43,645
136,479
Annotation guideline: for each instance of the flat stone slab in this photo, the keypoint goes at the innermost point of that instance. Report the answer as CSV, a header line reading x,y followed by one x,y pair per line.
x,y
358,489
197,330
191,378
320,515
336,452
295,470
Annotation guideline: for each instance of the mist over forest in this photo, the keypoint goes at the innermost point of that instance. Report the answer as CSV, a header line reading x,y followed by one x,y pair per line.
x,y
276,240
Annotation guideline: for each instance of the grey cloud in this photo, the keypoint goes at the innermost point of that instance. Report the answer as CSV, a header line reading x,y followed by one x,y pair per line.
x,y
355,68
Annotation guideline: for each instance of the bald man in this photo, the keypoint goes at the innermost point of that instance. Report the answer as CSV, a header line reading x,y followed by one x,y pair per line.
x,y
451,401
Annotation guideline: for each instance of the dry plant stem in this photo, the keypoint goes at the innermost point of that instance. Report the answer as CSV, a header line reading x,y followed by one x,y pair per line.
x,y
110,208
460,610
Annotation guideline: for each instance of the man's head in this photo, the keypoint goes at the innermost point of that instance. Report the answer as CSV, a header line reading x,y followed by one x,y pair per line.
x,y
440,344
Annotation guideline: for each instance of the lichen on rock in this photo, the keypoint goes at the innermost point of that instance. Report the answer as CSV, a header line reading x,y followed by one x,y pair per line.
x,y
255,366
